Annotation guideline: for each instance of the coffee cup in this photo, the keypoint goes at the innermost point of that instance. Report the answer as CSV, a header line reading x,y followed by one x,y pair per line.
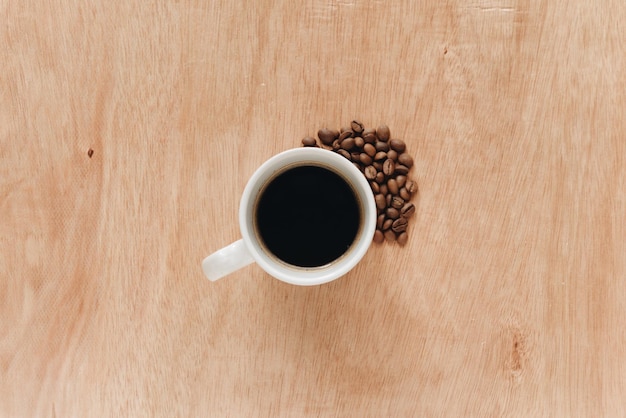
x,y
307,216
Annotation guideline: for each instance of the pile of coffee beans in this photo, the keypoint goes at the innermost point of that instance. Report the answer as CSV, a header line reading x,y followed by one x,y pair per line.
x,y
385,164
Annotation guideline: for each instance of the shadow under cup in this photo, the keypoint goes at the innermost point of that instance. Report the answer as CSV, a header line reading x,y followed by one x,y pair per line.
x,y
310,216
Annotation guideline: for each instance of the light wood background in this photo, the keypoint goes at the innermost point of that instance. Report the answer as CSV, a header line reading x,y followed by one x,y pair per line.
x,y
508,301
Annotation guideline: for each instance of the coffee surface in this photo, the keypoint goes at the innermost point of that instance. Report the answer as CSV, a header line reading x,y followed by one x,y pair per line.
x,y
308,216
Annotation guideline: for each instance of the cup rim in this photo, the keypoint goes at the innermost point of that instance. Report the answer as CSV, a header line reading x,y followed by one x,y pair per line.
x,y
302,275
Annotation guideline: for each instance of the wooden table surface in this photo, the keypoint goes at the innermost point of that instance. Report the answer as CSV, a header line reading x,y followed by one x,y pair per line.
x,y
508,301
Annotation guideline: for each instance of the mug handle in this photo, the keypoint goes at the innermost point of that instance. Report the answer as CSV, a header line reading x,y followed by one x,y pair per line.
x,y
227,260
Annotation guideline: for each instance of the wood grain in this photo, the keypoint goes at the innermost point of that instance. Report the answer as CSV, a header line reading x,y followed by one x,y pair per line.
x,y
509,299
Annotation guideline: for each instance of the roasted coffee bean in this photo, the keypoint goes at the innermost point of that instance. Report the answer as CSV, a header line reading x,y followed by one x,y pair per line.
x,y
403,238
347,143
370,172
397,202
380,201
378,165
384,189
399,225
336,145
359,142
365,159
392,184
375,187
407,210
370,138
388,198
380,177
345,134
378,237
392,213
369,131
383,133
387,224
308,141
381,146
398,145
389,235
356,126
404,193
327,136
380,220
411,186
344,153
405,159
392,154
402,169
380,156
401,180
389,167
369,150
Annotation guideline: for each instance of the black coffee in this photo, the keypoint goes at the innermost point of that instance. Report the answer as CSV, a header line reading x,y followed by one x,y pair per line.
x,y
308,216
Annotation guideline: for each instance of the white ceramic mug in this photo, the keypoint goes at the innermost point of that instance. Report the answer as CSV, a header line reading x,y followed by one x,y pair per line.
x,y
250,248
